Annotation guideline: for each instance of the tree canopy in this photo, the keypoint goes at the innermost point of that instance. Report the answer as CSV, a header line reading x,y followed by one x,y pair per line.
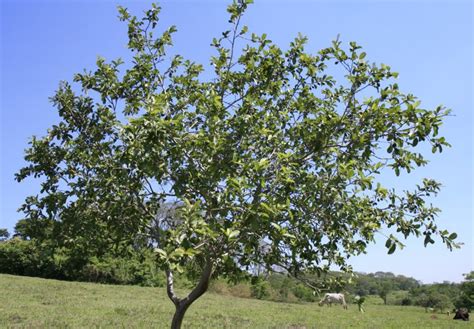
x,y
4,234
466,298
272,161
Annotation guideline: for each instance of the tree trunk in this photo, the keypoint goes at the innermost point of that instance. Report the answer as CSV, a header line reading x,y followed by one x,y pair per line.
x,y
179,315
182,305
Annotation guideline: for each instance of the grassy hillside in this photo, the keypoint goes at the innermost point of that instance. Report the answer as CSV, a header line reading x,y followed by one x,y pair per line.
x,y
38,303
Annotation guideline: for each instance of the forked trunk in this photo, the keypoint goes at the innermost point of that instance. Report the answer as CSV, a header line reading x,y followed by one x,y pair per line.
x,y
183,304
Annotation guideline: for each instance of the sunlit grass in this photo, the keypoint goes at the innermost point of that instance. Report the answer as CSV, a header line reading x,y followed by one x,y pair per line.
x,y
38,303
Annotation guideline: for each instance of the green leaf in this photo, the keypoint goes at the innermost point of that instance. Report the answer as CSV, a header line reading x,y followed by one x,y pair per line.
x,y
392,248
428,239
289,235
177,253
191,252
276,226
262,163
233,234
161,252
234,183
266,207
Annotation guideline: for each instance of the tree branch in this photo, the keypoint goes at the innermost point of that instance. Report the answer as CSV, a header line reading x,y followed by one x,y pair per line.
x,y
170,288
203,284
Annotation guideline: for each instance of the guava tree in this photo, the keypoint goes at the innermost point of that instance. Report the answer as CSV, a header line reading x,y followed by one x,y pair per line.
x,y
271,162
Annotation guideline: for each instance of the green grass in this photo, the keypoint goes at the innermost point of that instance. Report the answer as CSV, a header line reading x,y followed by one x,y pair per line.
x,y
38,303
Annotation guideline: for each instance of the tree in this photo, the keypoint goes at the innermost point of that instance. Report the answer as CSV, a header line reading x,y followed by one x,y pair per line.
x,y
434,300
4,235
384,289
273,149
466,299
40,229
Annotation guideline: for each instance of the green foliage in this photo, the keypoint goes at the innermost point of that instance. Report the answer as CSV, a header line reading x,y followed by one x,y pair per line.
x,y
364,284
274,287
466,298
272,162
260,289
439,296
406,301
4,234
434,300
26,258
385,288
15,256
31,258
123,270
469,276
40,229
303,293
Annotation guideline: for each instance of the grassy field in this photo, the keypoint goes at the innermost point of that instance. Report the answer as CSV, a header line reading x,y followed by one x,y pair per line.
x,y
38,303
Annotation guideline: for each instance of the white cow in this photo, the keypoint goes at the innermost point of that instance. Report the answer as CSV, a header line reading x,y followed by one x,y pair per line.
x,y
330,298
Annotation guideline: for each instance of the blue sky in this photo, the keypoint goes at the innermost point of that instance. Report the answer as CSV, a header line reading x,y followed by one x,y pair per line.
x,y
430,43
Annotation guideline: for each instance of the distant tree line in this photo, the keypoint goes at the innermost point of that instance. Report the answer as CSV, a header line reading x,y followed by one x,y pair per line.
x,y
381,283
40,249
